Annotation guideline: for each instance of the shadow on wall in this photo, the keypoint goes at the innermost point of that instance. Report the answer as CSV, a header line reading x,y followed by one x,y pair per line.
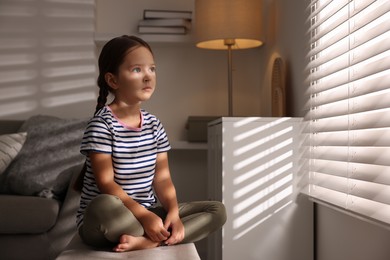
x,y
47,56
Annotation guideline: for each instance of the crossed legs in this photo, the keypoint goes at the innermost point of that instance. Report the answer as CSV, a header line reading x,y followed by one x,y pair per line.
x,y
108,223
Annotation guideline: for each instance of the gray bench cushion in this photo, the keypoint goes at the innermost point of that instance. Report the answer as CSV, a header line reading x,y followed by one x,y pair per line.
x,y
26,214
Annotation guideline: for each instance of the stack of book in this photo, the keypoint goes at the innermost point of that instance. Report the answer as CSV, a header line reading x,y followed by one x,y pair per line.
x,y
165,22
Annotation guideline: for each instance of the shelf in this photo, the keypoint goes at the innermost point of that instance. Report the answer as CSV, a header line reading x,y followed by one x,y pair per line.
x,y
185,145
102,38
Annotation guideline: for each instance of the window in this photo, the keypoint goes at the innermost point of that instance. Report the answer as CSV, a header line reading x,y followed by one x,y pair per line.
x,y
349,115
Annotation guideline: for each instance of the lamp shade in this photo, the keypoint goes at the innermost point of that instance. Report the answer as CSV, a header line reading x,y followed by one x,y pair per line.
x,y
218,22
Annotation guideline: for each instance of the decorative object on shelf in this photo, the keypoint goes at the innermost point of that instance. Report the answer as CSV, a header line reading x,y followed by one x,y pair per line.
x,y
278,88
228,25
165,22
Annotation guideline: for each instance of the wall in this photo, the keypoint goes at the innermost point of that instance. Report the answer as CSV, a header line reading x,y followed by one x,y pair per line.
x,y
48,63
190,81
339,236
47,58
343,237
286,38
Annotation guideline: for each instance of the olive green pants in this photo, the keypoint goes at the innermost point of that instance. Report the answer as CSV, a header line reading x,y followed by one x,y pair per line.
x,y
106,218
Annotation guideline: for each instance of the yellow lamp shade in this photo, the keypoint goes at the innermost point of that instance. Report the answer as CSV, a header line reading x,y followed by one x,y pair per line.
x,y
219,23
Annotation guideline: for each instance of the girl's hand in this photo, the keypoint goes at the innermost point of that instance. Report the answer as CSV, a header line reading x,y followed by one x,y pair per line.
x,y
154,227
173,222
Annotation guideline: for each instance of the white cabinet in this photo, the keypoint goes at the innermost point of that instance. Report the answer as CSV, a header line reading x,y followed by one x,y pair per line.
x,y
252,168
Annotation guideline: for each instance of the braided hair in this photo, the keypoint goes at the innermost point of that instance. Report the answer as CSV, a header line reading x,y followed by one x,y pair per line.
x,y
111,57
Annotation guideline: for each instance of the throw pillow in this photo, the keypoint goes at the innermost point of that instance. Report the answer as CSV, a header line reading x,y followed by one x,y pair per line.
x,y
10,145
52,146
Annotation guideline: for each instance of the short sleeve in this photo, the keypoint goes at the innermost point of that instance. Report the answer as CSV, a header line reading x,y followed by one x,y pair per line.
x,y
162,139
97,137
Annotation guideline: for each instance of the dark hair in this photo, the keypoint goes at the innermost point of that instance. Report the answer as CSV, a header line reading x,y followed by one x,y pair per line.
x,y
111,57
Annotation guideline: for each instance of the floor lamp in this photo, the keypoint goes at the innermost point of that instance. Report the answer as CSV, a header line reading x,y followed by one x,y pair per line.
x,y
228,25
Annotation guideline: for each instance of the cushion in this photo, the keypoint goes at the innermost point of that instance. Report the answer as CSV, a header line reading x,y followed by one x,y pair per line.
x,y
27,214
52,146
10,145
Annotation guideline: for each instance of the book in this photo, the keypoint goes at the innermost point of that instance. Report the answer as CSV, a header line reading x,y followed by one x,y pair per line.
x,y
169,22
161,30
164,14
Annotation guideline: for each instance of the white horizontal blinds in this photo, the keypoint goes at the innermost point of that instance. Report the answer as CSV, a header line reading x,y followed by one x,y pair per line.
x,y
349,115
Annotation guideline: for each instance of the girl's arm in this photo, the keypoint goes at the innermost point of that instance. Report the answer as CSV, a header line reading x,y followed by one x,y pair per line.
x,y
104,176
166,193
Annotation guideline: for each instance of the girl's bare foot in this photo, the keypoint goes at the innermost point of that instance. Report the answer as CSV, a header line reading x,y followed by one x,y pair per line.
x,y
129,243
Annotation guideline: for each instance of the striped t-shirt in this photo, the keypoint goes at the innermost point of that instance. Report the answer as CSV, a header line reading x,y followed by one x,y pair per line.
x,y
133,150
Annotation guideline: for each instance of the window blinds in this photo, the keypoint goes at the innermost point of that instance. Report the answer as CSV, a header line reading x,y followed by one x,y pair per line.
x,y
349,115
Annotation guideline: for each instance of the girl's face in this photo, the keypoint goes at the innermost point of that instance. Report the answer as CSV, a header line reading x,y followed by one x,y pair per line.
x,y
136,78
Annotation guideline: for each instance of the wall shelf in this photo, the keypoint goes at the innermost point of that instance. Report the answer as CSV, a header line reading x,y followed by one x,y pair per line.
x,y
102,38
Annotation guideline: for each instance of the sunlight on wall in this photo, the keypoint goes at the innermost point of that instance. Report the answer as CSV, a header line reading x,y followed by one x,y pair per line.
x,y
258,180
47,57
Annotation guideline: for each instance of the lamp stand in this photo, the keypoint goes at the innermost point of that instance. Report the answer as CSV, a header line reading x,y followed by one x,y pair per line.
x,y
229,43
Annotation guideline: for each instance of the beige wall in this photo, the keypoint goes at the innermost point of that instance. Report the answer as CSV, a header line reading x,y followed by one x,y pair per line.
x,y
47,58
286,38
190,81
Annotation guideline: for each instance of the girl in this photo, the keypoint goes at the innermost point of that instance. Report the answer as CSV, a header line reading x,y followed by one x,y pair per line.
x,y
127,163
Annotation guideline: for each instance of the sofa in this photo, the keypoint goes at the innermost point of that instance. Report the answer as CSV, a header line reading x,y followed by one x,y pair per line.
x,y
40,162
